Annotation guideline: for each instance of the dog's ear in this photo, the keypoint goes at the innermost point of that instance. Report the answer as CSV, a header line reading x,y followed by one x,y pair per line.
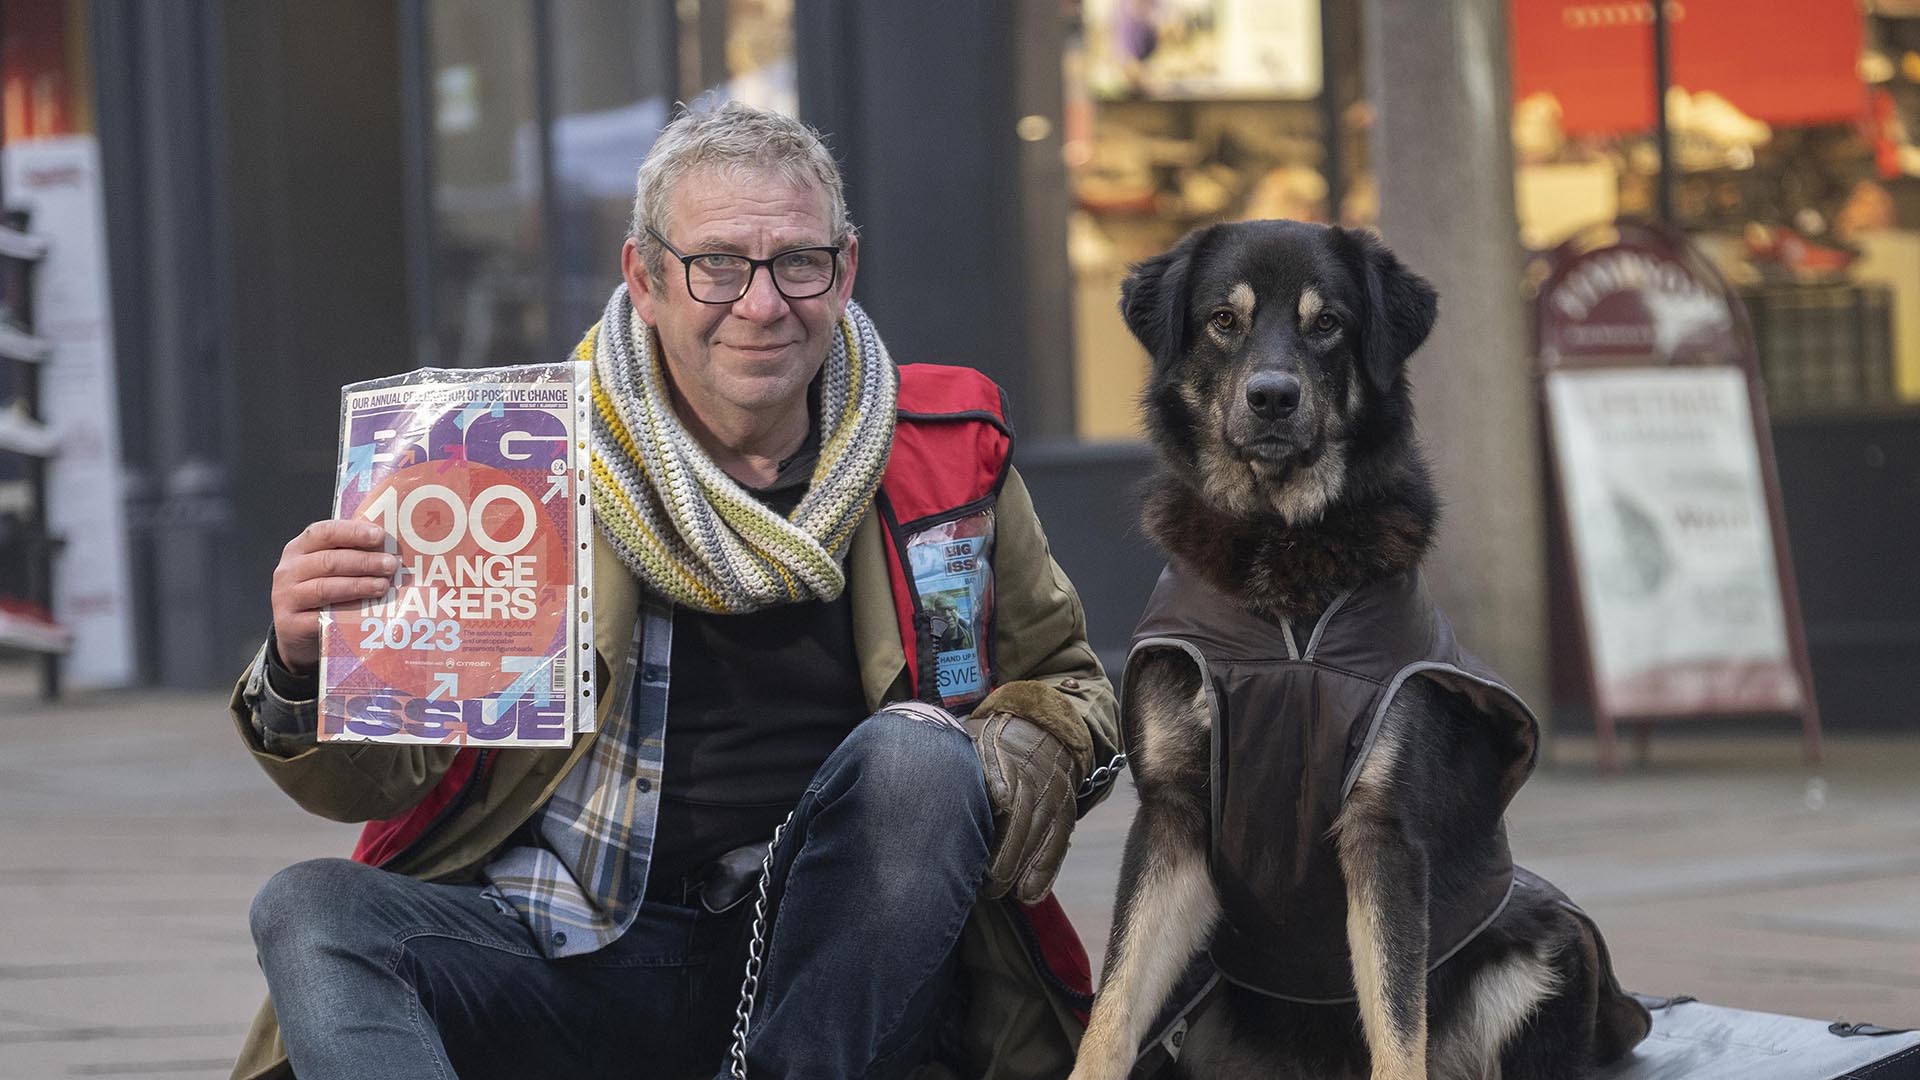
x,y
1153,298
1401,307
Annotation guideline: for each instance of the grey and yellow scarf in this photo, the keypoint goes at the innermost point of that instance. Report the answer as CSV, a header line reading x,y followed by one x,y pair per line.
x,y
691,532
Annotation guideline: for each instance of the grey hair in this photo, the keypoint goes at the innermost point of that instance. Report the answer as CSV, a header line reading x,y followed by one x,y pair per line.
x,y
734,136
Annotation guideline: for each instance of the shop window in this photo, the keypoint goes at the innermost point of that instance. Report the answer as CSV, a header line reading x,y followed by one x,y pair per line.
x,y
533,186
1179,113
1791,164
489,236
618,68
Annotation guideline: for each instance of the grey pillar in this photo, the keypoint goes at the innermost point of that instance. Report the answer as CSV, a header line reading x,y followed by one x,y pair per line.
x,y
1438,77
160,141
252,172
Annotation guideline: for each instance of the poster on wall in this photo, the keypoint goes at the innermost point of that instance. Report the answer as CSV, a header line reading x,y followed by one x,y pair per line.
x,y
1204,48
479,478
57,181
1672,542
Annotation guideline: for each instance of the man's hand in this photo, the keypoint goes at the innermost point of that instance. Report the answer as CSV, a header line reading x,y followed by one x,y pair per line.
x,y
330,562
1035,752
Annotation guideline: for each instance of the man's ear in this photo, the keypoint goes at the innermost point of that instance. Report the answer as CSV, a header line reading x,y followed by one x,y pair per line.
x,y
1153,298
640,290
1401,307
849,265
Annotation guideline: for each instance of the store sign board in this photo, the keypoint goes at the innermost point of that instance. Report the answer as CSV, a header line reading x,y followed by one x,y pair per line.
x,y
1663,475
1783,62
1662,469
1628,294
1673,550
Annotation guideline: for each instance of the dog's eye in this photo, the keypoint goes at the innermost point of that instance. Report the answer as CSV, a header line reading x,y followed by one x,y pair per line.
x,y
1224,321
1327,323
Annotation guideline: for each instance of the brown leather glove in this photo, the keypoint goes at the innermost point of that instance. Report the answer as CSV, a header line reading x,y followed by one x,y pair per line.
x,y
1035,751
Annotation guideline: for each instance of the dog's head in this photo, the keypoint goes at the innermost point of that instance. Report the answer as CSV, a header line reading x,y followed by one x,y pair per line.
x,y
1277,346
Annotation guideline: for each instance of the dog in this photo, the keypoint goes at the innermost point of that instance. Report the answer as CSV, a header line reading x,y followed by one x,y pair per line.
x,y
1319,844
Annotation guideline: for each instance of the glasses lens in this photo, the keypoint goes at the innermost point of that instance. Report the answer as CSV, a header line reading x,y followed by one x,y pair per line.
x,y
717,279
801,274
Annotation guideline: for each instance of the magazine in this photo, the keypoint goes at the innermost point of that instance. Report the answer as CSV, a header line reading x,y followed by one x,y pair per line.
x,y
480,479
952,565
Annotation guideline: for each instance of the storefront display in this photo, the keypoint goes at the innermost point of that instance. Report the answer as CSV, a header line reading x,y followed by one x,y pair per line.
x,y
1179,113
1788,163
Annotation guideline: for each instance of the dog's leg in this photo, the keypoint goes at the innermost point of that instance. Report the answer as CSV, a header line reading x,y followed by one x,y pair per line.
x,y
1166,918
1386,875
1509,995
1166,906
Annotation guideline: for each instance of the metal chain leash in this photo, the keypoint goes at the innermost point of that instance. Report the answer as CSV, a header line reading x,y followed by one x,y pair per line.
x,y
918,711
756,949
756,955
1102,774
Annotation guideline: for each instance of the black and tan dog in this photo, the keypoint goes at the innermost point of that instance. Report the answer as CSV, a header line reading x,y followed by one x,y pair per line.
x,y
1322,771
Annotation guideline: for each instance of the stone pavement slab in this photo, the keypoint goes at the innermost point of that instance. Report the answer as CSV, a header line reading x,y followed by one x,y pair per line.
x,y
134,832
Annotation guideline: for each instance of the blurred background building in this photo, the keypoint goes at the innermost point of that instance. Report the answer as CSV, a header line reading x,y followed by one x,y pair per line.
x,y
248,203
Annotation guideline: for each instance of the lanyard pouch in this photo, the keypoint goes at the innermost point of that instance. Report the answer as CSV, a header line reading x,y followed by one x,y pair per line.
x,y
951,564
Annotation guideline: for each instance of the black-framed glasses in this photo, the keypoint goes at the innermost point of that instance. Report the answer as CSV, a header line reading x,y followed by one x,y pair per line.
x,y
715,277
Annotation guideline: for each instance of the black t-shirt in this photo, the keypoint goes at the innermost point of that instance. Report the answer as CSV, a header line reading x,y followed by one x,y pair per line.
x,y
755,703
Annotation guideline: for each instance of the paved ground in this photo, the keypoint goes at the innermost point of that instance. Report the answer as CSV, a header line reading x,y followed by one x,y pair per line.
x,y
133,833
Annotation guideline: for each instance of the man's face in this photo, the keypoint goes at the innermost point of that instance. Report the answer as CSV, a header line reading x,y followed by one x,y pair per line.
x,y
759,353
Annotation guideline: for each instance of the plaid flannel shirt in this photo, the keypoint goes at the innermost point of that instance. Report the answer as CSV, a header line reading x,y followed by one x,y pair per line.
x,y
581,887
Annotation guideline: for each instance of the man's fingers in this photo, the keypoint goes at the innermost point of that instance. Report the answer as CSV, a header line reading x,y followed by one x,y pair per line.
x,y
1012,852
1043,864
343,562
316,593
338,575
330,562
338,533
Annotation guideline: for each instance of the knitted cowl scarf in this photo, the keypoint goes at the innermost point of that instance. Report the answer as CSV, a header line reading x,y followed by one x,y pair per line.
x,y
691,532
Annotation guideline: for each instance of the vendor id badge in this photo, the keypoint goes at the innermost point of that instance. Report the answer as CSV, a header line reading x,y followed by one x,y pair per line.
x,y
479,478
953,577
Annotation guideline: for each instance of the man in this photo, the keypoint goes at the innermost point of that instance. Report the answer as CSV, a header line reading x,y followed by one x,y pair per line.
x,y
767,486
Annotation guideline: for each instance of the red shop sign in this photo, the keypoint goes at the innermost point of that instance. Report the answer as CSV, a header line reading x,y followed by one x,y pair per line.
x,y
1782,61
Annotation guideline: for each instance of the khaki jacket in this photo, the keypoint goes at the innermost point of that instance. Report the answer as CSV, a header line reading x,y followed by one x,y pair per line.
x,y
1016,1026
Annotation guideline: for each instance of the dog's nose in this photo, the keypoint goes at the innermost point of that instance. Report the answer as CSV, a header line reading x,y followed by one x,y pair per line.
x,y
1272,395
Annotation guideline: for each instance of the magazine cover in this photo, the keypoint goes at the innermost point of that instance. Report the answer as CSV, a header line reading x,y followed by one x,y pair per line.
x,y
953,574
479,478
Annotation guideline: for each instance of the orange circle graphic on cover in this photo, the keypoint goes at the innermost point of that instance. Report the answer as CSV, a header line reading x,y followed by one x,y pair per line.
x,y
479,560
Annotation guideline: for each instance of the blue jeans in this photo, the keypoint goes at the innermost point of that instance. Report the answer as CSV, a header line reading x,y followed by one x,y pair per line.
x,y
376,975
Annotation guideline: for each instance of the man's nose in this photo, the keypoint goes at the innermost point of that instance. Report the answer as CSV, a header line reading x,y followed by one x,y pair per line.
x,y
1273,395
762,302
